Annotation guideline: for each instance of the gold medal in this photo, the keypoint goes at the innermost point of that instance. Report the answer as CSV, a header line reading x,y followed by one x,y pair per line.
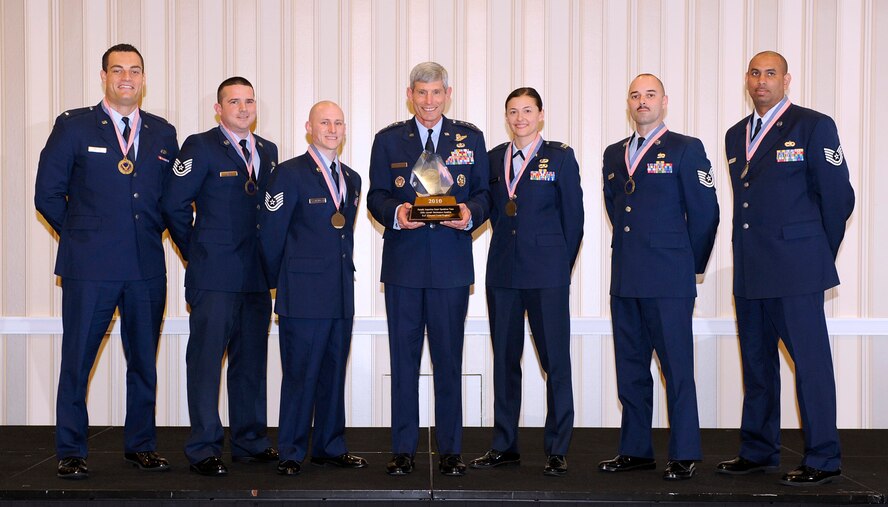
x,y
745,171
629,187
125,166
338,220
250,186
511,208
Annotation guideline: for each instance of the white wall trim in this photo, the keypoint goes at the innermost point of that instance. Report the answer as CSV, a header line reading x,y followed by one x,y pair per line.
x,y
474,326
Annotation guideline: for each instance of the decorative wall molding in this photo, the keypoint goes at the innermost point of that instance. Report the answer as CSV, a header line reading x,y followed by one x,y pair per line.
x,y
376,326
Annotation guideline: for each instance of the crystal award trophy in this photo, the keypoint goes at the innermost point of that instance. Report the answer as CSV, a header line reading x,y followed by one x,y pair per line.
x,y
432,181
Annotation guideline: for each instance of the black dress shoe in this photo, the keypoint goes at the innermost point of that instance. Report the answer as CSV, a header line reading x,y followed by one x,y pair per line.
x,y
678,470
494,458
623,463
400,464
343,460
742,466
211,467
289,467
269,455
73,468
808,476
556,466
147,460
451,464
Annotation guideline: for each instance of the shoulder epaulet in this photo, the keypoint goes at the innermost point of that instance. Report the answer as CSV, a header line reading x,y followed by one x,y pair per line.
x,y
501,146
393,125
71,113
466,125
557,145
161,119
260,140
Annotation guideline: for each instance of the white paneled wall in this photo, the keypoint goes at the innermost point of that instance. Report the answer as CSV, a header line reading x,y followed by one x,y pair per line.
x,y
580,55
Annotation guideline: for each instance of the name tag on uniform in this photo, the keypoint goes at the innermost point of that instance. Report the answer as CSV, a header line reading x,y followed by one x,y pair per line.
x,y
97,149
317,200
399,165
226,174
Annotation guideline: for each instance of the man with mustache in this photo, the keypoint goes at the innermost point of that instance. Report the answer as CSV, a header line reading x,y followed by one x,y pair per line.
x,y
220,172
660,197
99,182
792,197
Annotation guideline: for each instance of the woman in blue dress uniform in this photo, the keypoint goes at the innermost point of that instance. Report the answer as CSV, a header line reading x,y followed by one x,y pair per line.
x,y
537,220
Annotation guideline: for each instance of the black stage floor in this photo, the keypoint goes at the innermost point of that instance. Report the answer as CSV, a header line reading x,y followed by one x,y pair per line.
x,y
28,465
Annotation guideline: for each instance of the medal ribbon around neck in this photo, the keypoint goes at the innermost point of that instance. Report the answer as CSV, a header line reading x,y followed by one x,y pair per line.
x,y
751,149
251,142
315,154
507,163
134,128
639,153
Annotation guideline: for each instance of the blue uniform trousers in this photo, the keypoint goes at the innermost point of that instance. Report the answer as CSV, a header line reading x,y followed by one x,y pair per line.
x,y
801,323
410,312
314,353
642,325
236,322
87,309
548,312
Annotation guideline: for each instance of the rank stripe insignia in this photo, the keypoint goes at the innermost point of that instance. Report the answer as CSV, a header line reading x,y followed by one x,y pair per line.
x,y
274,203
182,168
706,178
834,157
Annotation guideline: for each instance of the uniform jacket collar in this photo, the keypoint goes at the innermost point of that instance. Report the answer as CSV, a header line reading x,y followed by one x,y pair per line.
x,y
232,151
147,140
308,164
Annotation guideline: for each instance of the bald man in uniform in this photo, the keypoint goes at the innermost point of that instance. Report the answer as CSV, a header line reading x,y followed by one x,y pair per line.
x,y
792,198
306,229
660,197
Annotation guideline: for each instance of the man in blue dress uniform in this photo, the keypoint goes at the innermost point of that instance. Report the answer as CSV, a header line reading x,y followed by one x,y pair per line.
x,y
427,267
660,198
792,197
99,183
306,228
219,172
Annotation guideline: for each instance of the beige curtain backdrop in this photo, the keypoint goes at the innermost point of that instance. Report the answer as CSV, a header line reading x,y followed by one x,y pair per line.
x,y
580,55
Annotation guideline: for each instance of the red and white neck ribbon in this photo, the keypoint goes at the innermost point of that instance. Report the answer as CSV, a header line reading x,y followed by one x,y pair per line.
x,y
528,156
752,147
251,142
639,153
134,129
337,199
